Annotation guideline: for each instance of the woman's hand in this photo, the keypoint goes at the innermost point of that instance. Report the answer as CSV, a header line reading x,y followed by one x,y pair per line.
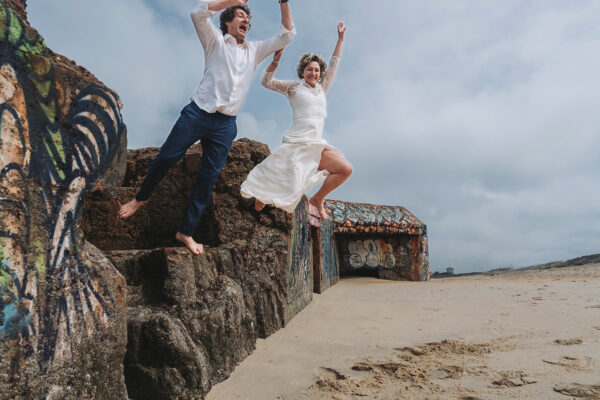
x,y
277,56
341,30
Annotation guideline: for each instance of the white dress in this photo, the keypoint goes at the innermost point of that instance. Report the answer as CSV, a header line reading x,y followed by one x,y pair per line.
x,y
283,177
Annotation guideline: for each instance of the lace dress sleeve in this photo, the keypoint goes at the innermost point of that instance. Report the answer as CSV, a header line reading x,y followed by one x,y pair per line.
x,y
275,84
330,73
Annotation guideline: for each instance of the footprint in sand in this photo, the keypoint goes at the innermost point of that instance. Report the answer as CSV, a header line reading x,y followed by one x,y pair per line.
x,y
362,367
571,363
415,351
513,379
577,390
447,372
568,342
329,373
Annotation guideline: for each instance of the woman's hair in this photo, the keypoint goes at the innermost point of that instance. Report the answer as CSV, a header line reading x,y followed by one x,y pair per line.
x,y
228,14
306,59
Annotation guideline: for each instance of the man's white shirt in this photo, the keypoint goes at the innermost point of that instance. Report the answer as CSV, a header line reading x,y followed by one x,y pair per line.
x,y
229,66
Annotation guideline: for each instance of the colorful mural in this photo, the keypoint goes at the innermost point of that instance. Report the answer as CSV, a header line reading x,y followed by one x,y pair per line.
x,y
329,263
54,146
370,254
299,272
424,256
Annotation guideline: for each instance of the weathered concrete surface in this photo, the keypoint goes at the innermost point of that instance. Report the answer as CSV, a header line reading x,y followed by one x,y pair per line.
x,y
191,320
62,304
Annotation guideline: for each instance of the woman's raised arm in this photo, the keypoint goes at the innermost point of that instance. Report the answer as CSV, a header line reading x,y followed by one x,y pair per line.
x,y
335,58
275,84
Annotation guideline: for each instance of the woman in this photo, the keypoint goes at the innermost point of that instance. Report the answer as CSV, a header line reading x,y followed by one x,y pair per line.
x,y
304,159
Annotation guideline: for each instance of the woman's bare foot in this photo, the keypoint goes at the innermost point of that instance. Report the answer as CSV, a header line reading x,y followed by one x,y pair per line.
x,y
258,205
128,209
319,206
195,248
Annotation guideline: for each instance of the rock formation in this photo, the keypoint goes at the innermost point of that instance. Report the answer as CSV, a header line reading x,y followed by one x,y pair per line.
x,y
192,319
62,303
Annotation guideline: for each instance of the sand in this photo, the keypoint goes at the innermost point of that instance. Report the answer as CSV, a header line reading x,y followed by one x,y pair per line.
x,y
513,335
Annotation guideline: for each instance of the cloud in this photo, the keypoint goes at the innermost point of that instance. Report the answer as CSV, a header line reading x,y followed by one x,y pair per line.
x,y
265,131
491,139
479,117
153,65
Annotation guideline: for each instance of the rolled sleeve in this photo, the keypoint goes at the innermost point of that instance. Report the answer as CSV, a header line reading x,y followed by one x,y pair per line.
x,y
286,34
202,11
282,39
207,32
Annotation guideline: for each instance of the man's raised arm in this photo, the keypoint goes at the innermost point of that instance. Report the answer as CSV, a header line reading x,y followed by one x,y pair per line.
x,y
207,32
286,16
283,38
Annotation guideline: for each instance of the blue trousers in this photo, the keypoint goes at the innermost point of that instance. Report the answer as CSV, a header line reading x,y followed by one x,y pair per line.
x,y
216,132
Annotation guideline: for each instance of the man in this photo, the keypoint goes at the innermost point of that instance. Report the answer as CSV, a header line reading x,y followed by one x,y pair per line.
x,y
230,62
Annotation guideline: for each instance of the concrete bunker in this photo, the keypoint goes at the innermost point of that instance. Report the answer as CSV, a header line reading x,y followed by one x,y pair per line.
x,y
387,242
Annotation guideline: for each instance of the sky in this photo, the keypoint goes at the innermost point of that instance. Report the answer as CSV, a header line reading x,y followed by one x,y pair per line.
x,y
480,117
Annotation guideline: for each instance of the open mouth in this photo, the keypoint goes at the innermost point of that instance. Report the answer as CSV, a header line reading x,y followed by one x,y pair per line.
x,y
244,28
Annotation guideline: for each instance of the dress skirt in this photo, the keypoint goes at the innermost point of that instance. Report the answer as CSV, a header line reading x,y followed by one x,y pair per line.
x,y
286,175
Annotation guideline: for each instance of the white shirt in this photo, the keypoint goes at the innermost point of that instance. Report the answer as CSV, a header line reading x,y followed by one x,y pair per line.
x,y
229,67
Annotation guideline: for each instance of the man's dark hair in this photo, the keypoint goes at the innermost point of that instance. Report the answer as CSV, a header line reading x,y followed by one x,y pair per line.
x,y
229,13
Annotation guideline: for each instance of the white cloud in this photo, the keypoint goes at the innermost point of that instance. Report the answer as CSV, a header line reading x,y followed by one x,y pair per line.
x,y
265,131
480,117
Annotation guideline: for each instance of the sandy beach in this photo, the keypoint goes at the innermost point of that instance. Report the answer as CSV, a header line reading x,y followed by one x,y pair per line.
x,y
512,335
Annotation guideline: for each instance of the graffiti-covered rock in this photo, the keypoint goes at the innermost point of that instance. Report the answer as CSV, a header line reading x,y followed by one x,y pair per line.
x,y
62,302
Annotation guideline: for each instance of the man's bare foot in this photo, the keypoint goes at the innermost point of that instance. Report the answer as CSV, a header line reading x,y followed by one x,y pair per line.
x,y
195,248
319,206
258,205
128,209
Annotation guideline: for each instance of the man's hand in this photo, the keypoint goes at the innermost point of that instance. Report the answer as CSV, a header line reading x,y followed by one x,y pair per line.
x,y
218,5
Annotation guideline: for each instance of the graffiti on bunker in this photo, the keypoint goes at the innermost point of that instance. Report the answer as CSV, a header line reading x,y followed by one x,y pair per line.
x,y
371,254
299,272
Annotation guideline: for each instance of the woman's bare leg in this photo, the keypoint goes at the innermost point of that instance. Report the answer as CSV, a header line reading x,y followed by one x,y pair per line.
x,y
339,170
